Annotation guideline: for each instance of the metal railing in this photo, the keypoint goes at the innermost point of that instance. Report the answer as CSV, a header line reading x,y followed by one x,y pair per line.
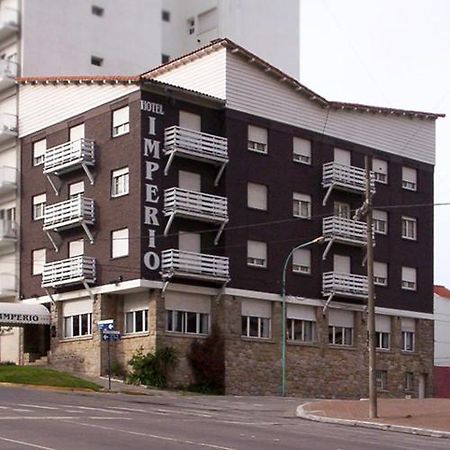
x,y
69,156
8,124
195,204
9,18
8,179
346,177
196,144
344,230
8,284
345,284
69,271
8,230
179,262
69,213
8,69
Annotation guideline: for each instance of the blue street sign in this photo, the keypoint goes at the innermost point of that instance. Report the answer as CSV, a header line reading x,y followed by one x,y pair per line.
x,y
111,335
107,324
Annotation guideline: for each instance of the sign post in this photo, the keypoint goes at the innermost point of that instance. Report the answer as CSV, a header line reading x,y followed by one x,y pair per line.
x,y
109,334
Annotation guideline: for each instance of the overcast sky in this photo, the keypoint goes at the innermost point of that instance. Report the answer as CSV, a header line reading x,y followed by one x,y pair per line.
x,y
387,53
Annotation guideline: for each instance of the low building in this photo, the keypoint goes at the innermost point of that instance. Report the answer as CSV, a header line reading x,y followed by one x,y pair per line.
x,y
169,201
441,341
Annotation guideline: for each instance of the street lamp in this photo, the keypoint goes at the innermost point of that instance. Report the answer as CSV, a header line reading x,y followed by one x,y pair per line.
x,y
317,240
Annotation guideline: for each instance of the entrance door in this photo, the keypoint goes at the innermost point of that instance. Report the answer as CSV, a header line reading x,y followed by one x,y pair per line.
x,y
422,383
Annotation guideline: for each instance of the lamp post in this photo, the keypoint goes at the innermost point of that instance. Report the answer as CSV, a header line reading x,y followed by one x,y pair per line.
x,y
317,240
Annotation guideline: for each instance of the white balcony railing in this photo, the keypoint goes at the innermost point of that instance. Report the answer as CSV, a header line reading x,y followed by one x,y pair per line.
x,y
8,285
344,230
69,213
9,70
8,179
8,232
69,156
196,144
8,126
194,265
9,22
345,177
344,284
79,269
193,204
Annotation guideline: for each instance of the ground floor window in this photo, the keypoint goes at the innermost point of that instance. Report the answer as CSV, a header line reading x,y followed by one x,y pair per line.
x,y
340,335
382,339
258,327
187,322
409,381
301,330
381,378
78,325
408,341
136,321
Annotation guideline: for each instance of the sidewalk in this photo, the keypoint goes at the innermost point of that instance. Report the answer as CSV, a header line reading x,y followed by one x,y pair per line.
x,y
429,416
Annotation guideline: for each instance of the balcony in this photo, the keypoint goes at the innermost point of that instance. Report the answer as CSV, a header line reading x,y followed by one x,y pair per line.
x,y
8,73
70,156
8,285
8,180
8,233
195,205
8,127
344,231
198,266
76,270
344,285
195,145
344,178
9,22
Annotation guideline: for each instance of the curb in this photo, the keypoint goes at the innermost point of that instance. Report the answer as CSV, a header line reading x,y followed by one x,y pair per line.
x,y
44,387
302,414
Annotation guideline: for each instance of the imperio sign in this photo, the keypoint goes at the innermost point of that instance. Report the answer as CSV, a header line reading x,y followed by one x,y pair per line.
x,y
152,158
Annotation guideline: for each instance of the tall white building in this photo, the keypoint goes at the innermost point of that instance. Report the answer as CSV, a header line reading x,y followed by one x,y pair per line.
x,y
112,37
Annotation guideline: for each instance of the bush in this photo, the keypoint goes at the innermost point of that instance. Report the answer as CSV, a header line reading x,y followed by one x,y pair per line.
x,y
152,369
207,362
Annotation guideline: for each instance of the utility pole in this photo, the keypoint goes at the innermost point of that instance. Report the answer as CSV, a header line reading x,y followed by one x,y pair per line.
x,y
373,407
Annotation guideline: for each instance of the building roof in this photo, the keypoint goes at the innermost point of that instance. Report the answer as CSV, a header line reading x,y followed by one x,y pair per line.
x,y
251,59
442,291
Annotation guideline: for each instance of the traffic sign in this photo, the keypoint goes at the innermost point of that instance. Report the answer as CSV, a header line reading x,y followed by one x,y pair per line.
x,y
111,335
107,324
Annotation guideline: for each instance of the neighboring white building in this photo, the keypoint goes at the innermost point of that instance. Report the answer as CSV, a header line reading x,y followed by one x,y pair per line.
x,y
442,341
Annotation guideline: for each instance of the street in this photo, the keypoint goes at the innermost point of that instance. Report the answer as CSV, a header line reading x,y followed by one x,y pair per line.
x,y
41,419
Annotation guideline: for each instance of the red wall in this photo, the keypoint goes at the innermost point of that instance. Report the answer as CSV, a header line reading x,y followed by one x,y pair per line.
x,y
442,382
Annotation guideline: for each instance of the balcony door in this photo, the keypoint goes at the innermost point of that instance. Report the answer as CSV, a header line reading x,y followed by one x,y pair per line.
x,y
341,264
342,156
342,210
189,242
190,181
76,133
190,121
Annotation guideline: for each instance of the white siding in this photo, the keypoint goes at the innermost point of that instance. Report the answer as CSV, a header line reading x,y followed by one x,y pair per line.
x,y
251,90
206,75
45,105
441,331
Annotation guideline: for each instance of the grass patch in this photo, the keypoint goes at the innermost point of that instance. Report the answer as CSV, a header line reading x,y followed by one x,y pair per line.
x,y
42,376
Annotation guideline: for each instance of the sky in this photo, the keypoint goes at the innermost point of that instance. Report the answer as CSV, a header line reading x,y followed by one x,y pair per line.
x,y
393,53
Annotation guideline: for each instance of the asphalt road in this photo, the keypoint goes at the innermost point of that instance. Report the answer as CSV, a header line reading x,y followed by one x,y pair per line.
x,y
38,419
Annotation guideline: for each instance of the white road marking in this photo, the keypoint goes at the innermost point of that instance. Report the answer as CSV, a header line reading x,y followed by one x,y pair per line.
x,y
4,407
90,408
156,436
63,417
37,406
188,413
27,444
128,409
21,410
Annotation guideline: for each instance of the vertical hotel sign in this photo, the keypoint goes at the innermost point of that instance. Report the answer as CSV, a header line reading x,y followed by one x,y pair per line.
x,y
152,160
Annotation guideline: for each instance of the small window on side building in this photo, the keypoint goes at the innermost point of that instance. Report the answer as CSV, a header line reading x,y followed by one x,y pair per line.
x,y
97,10
96,61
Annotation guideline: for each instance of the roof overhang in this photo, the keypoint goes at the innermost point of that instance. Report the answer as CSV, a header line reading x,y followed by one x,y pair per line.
x,y
17,314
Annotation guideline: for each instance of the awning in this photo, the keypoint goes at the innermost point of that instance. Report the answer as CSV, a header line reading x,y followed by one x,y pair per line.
x,y
16,314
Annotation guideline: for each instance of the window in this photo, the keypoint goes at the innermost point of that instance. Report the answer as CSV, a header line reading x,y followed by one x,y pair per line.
x,y
208,20
381,379
380,273
39,202
191,25
96,61
409,381
301,330
78,325
38,257
136,321
380,170
343,157
409,179
301,261
189,242
39,148
342,210
257,196
340,328
76,133
408,327
165,58
409,228
165,15
76,189
121,121
257,139
380,221
190,120
120,182
258,327
97,11
302,151
190,181
382,332
187,322
409,278
76,248
8,214
119,246
301,206
256,254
